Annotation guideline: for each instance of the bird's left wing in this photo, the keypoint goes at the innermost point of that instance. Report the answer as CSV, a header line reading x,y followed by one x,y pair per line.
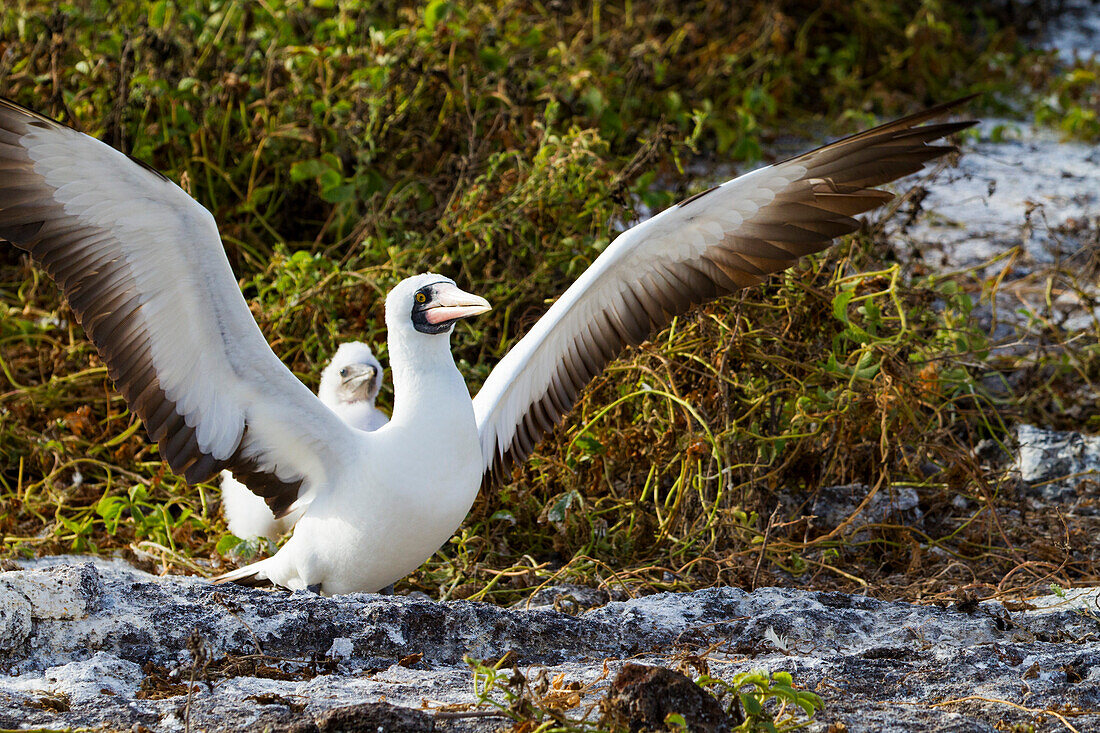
x,y
143,267
729,237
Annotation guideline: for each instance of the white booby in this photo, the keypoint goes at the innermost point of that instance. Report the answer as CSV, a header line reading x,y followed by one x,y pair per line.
x,y
349,386
143,267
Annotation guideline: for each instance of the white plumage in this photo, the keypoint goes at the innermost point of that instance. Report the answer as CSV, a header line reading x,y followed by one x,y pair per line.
x,y
144,270
349,386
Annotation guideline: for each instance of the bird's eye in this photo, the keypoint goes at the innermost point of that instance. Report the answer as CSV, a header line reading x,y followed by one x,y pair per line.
x,y
421,298
344,372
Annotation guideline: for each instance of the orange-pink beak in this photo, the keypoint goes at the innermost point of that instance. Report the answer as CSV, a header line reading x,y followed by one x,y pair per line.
x,y
450,303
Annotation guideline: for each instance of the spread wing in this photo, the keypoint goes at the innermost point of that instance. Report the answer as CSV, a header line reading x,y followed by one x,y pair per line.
x,y
729,237
143,267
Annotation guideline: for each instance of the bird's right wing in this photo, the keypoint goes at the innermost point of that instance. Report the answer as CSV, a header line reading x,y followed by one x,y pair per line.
x,y
143,267
712,244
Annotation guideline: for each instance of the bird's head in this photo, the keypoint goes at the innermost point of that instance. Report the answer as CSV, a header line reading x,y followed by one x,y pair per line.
x,y
353,375
430,304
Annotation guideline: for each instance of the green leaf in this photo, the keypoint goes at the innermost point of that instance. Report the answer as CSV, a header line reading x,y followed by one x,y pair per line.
x,y
676,719
436,11
110,507
227,543
305,170
330,179
338,194
840,305
809,702
557,512
589,445
157,14
867,367
751,704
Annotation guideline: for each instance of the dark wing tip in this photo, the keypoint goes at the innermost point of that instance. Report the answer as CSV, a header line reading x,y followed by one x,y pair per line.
x,y
697,196
149,168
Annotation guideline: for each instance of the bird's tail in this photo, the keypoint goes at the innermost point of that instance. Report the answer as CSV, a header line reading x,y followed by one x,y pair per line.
x,y
251,575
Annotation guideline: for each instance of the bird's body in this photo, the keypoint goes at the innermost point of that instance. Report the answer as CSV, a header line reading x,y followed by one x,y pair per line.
x,y
361,415
137,257
349,385
400,491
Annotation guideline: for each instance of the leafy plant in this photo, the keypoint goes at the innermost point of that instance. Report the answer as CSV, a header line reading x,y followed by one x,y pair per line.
x,y
764,701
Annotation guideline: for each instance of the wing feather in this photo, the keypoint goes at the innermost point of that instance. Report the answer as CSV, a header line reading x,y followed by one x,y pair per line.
x,y
711,244
143,268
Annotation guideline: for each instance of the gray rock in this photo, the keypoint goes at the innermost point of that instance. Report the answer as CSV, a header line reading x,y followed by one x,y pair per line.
x,y
370,716
90,680
1074,30
1058,466
567,598
15,619
176,652
835,505
61,592
970,215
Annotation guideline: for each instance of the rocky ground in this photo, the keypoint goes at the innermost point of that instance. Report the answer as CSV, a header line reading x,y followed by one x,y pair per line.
x,y
1021,208
99,644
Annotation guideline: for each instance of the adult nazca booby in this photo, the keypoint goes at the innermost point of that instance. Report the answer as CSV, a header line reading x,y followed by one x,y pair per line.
x,y
142,266
349,386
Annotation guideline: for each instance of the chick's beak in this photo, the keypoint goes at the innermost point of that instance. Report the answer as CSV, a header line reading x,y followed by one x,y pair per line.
x,y
358,381
358,373
449,304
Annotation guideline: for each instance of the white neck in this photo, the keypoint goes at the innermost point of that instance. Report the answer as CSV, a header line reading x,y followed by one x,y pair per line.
x,y
433,426
427,386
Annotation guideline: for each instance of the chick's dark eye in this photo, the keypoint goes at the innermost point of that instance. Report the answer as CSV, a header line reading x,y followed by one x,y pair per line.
x,y
344,372
421,298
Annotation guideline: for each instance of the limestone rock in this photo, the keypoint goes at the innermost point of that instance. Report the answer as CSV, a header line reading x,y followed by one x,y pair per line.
x,y
366,717
834,505
15,619
175,652
1058,463
90,680
62,592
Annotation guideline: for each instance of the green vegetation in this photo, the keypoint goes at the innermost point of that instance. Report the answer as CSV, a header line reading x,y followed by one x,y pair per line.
x,y
764,701
757,700
343,145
